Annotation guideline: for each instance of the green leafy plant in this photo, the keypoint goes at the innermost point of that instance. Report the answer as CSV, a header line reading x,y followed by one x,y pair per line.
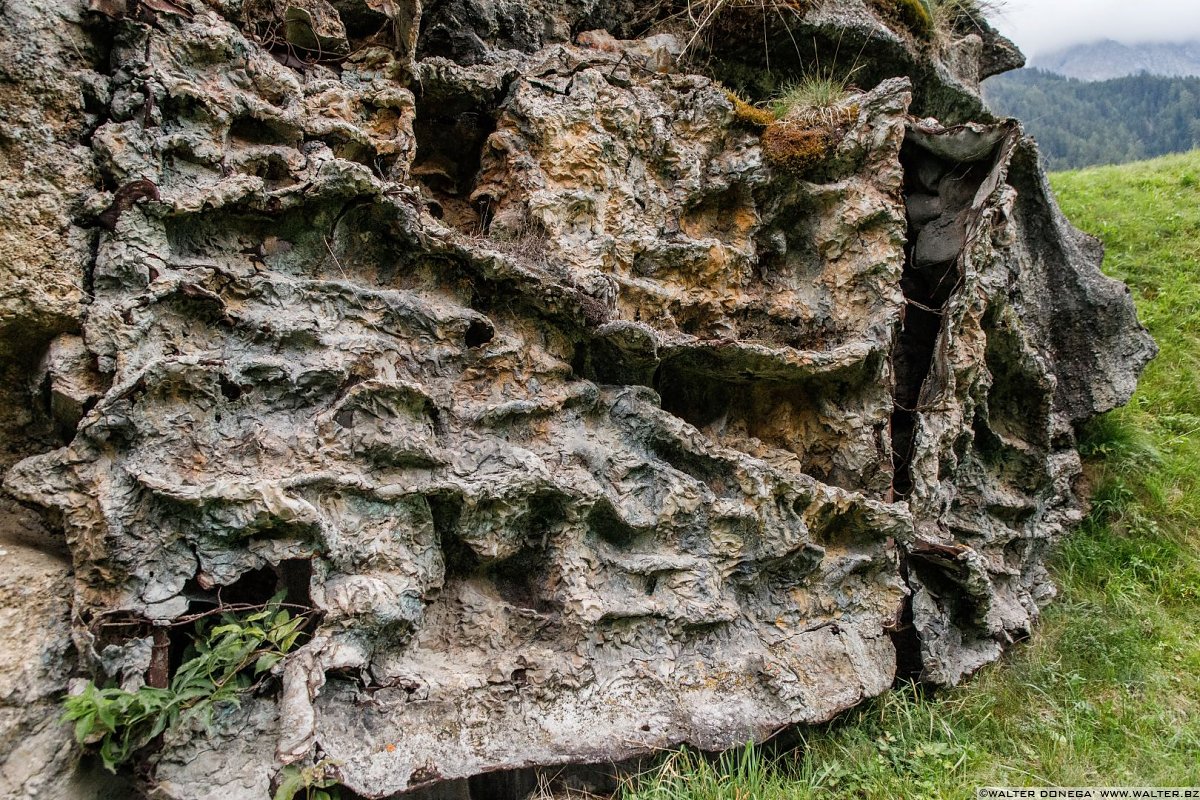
x,y
229,656
316,782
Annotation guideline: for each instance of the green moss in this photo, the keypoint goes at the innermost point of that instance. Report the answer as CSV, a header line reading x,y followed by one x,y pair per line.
x,y
748,115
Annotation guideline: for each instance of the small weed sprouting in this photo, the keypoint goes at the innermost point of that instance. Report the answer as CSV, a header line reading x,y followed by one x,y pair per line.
x,y
229,657
316,782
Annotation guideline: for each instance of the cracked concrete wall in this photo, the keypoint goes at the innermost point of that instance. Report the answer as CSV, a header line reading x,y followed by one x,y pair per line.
x,y
500,342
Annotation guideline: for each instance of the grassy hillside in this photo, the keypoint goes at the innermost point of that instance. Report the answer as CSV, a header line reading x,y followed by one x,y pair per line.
x,y
1108,691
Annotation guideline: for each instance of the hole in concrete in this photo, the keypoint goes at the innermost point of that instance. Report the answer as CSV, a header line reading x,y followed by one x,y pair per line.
x,y
696,399
293,577
459,558
562,780
450,133
479,333
607,526
512,784
256,587
345,418
523,579
520,580
229,390
579,361
272,168
909,663
343,146
263,132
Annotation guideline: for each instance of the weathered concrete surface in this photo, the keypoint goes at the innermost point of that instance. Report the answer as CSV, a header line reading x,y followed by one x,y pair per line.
x,y
587,430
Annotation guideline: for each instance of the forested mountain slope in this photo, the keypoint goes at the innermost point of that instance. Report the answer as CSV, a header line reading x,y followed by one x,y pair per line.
x,y
1081,123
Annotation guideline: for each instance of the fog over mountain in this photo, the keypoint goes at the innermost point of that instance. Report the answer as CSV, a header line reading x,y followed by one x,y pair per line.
x,y
1040,28
1097,61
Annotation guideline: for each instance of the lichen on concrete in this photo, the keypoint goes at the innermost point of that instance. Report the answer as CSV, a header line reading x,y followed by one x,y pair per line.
x,y
501,341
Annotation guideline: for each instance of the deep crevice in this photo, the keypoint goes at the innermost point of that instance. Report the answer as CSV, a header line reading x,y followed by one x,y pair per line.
x,y
584,780
255,131
291,577
479,332
446,509
720,476
938,197
906,640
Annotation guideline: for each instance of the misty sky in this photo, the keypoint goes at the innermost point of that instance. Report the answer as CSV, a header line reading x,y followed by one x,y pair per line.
x,y
1041,26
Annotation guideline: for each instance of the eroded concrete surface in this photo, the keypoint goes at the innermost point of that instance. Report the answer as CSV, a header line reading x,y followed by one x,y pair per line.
x,y
492,336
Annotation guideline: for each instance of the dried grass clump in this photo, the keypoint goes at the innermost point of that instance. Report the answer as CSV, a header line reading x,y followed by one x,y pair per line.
x,y
699,16
915,15
953,18
938,21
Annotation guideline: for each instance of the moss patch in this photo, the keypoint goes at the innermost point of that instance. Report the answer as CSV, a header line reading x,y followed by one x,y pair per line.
x,y
793,147
748,115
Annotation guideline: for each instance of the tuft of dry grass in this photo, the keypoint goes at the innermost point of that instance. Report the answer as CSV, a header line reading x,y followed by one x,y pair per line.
x,y
819,91
914,15
953,18
698,17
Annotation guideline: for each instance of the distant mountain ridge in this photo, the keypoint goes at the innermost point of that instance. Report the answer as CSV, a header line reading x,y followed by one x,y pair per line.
x,y
1098,61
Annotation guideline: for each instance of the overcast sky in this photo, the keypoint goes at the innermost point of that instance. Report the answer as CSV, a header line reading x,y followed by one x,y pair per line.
x,y
1042,26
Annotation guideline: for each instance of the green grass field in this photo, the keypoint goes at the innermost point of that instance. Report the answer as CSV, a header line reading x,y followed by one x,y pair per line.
x,y
1108,690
